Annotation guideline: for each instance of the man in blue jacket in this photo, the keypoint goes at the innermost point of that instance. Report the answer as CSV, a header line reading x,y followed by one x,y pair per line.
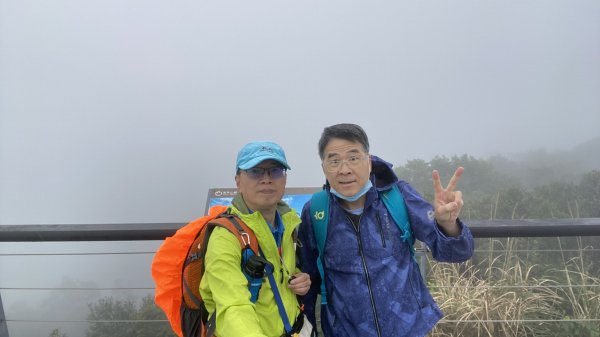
x,y
373,284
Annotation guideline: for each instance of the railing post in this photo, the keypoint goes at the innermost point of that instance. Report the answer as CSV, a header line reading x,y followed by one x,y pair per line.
x,y
3,326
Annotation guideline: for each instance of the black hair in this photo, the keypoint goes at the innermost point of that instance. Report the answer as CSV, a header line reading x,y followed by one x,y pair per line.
x,y
347,131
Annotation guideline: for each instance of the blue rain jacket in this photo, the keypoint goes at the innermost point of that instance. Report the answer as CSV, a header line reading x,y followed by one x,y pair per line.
x,y
374,286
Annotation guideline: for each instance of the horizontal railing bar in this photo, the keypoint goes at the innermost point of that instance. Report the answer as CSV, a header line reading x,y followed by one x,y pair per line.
x,y
532,286
496,251
88,321
520,320
73,288
76,254
88,232
535,228
441,321
159,231
557,286
500,251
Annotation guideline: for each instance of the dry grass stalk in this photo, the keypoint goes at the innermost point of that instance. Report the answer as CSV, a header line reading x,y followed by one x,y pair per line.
x,y
504,299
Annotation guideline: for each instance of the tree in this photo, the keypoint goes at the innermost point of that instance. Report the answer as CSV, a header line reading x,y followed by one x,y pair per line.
x,y
589,194
57,333
554,200
481,180
148,311
109,316
416,172
116,318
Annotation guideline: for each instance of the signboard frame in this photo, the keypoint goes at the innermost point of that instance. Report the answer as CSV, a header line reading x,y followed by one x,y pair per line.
x,y
296,197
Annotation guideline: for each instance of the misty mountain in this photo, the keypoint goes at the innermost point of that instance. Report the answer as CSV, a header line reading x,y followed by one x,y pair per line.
x,y
588,153
539,167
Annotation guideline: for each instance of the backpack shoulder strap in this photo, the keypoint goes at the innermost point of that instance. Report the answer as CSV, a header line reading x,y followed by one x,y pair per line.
x,y
319,215
197,251
247,240
237,227
396,206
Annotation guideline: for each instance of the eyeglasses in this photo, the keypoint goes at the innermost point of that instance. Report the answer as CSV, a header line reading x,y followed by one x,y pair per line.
x,y
333,165
257,173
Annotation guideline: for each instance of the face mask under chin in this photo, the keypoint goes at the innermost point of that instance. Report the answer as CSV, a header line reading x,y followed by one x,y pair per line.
x,y
355,197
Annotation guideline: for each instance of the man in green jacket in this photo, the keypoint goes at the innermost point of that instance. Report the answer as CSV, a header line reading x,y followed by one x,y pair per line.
x,y
261,175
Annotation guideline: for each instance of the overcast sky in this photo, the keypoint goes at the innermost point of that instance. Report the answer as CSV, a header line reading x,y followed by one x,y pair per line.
x,y
129,111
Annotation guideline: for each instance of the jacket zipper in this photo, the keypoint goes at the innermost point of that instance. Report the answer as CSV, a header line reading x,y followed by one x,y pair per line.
x,y
380,229
412,289
364,263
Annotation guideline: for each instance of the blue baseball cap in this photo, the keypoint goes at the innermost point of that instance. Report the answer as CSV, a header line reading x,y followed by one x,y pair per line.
x,y
255,153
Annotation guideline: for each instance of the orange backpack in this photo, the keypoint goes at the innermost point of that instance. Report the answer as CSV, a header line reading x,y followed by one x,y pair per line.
x,y
178,266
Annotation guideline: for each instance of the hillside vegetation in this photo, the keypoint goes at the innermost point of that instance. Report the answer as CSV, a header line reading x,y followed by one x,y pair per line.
x,y
534,185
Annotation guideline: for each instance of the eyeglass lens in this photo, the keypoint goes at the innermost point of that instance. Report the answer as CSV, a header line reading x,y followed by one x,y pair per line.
x,y
259,172
335,164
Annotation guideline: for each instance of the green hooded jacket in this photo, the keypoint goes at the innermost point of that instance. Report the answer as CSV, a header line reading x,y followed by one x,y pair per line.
x,y
225,287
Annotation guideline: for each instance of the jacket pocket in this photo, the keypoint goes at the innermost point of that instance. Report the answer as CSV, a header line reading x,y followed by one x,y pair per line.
x,y
416,283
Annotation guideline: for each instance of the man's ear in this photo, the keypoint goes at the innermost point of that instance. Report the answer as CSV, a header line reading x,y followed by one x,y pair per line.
x,y
237,180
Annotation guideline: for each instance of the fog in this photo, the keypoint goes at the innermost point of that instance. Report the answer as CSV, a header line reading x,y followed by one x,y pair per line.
x,y
116,112
129,112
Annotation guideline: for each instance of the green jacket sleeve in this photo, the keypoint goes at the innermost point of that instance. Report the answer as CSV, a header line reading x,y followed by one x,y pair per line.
x,y
225,287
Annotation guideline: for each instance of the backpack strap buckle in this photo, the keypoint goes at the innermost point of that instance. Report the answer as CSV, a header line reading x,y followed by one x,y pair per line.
x,y
245,238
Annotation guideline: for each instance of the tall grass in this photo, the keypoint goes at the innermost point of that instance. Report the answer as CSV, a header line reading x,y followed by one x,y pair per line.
x,y
504,295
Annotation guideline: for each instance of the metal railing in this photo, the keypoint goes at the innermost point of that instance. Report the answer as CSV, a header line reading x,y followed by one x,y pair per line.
x,y
159,231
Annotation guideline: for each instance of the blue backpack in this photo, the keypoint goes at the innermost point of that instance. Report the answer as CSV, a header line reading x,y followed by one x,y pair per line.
x,y
319,211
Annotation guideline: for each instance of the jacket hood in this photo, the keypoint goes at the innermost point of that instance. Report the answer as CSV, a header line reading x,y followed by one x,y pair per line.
x,y
382,174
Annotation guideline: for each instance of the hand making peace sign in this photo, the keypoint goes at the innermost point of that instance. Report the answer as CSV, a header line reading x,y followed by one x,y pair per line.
x,y
447,202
